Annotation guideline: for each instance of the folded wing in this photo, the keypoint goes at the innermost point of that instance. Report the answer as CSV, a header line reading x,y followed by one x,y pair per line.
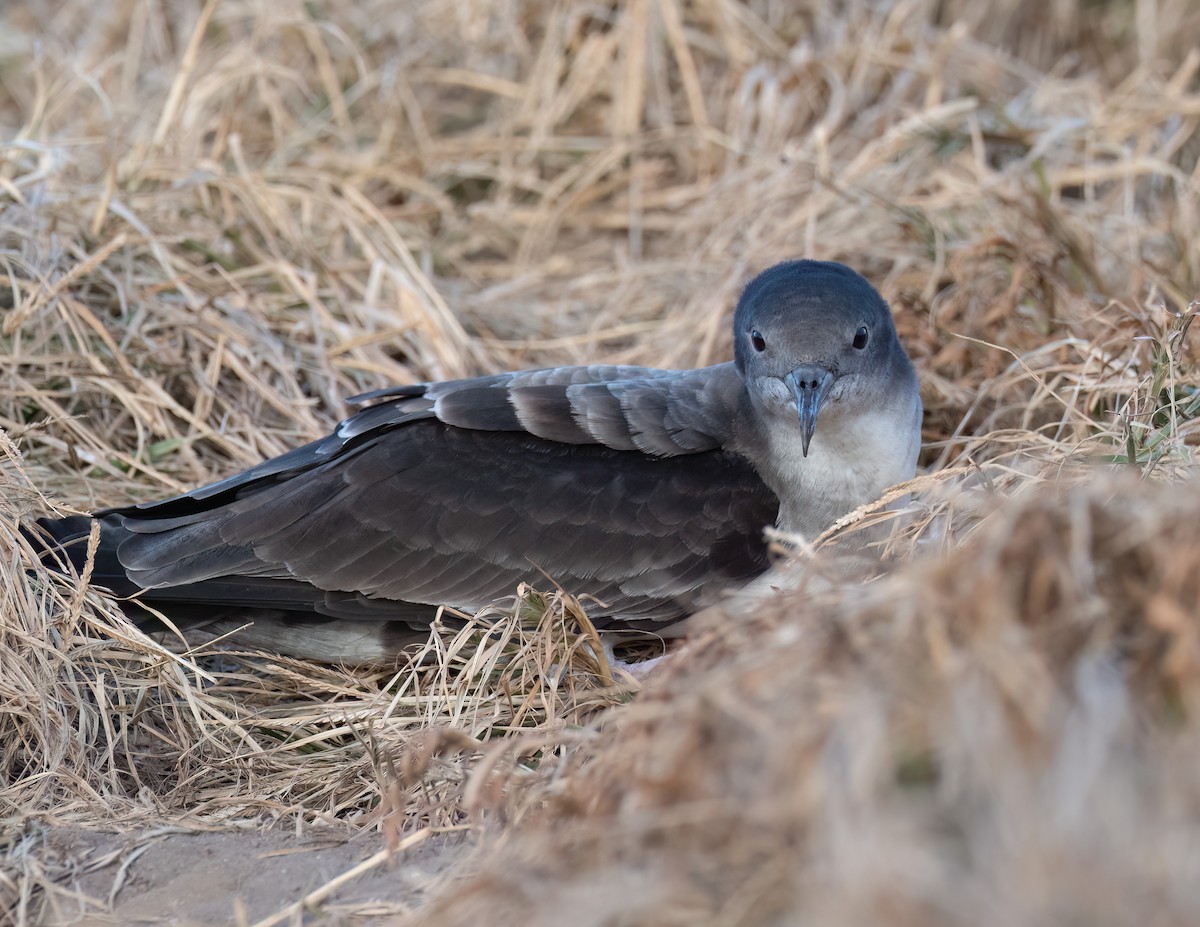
x,y
614,482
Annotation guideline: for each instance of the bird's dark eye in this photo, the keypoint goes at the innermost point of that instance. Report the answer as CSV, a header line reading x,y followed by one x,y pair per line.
x,y
860,338
759,342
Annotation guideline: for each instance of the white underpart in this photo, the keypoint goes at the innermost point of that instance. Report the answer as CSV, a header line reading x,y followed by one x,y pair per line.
x,y
853,457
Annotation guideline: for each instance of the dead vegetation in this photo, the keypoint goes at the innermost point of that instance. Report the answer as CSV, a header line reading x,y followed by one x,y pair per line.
x,y
217,221
999,735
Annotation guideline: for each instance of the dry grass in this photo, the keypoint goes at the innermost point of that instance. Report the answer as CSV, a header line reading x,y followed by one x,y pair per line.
x,y
1002,735
216,223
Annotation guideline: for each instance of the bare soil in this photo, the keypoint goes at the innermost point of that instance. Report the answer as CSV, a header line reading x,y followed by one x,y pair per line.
x,y
167,875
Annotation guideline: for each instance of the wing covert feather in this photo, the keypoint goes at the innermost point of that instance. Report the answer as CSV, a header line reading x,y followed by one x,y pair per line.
x,y
660,412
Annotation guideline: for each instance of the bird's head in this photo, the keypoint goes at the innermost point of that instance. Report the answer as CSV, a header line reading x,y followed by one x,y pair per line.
x,y
810,335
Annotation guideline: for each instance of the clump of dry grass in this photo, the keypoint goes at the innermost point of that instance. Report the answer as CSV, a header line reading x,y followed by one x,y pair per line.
x,y
101,725
1003,733
217,223
100,718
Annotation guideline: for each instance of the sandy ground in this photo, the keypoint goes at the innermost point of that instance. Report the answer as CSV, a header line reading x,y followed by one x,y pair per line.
x,y
174,876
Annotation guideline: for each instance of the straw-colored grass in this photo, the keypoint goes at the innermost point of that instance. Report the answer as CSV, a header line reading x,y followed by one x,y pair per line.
x,y
219,219
1003,735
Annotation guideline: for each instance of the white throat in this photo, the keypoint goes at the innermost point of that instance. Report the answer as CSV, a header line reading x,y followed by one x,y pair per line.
x,y
852,458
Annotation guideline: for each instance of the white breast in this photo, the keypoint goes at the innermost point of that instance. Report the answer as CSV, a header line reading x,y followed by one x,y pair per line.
x,y
851,460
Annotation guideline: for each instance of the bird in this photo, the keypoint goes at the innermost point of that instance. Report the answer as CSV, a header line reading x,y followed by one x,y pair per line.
x,y
644,492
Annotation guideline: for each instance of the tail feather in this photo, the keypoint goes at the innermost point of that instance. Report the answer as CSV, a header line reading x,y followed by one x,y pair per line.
x,y
63,546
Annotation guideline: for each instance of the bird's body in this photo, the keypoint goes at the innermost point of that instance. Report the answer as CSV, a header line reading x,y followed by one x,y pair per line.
x,y
644,490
